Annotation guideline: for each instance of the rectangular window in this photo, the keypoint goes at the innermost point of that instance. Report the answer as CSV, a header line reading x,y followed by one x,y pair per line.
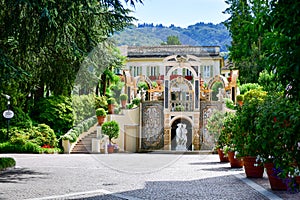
x,y
206,71
153,71
135,70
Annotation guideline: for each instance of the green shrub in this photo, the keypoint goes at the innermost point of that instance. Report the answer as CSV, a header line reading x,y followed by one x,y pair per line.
x,y
154,84
3,134
40,135
229,103
6,163
44,135
74,133
249,86
20,119
100,112
111,129
111,100
101,102
143,85
130,106
136,101
55,111
123,97
28,147
240,97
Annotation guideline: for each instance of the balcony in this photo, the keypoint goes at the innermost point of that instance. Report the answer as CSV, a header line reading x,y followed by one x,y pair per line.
x,y
180,106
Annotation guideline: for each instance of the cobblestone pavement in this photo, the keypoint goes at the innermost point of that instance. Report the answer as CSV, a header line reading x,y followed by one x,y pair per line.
x,y
130,176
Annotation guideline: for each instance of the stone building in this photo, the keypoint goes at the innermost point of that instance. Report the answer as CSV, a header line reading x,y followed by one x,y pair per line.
x,y
189,86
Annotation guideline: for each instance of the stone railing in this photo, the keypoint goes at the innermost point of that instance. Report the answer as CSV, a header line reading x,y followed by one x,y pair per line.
x,y
179,106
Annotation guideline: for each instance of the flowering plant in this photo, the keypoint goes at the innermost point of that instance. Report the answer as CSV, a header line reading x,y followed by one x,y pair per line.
x,y
278,123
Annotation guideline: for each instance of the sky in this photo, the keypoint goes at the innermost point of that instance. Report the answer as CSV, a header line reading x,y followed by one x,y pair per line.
x,y
180,12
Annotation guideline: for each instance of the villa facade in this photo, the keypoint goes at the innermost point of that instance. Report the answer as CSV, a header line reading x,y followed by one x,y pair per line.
x,y
189,86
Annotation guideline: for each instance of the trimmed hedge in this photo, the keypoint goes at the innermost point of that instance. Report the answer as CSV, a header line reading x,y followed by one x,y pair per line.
x,y
28,147
84,126
6,163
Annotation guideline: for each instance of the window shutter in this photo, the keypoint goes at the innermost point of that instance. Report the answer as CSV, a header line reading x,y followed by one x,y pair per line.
x,y
211,71
202,71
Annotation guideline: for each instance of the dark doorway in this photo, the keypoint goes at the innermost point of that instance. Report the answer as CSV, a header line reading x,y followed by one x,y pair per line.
x,y
189,134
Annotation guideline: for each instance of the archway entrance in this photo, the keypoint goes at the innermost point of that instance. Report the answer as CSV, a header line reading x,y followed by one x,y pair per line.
x,y
189,133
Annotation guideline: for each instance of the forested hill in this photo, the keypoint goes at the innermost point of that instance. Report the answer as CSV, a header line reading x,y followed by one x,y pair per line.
x,y
200,34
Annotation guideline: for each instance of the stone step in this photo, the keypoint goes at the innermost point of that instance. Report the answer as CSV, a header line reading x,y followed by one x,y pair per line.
x,y
84,146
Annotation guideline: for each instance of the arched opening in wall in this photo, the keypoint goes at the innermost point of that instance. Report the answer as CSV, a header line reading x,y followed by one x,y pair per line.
x,y
143,88
176,134
181,93
216,90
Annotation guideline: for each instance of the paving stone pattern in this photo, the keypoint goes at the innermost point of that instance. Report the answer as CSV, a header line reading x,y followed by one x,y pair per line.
x,y
126,176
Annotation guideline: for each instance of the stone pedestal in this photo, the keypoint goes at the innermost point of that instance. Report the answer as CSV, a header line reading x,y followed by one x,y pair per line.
x,y
96,145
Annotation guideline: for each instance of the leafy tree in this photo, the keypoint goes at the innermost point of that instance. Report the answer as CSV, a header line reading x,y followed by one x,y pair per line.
x,y
245,29
44,40
43,43
172,40
265,35
283,41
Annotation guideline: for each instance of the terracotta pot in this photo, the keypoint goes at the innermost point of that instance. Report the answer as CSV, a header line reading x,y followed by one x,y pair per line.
x,y
252,168
297,179
101,120
123,103
234,162
110,149
275,182
222,157
240,103
111,108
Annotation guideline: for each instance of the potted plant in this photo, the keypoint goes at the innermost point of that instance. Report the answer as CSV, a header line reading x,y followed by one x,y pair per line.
x,y
111,129
230,148
279,123
245,134
111,105
240,99
214,127
123,99
101,114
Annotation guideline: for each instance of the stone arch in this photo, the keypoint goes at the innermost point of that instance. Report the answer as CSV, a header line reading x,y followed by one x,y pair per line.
x,y
143,78
180,62
181,79
217,78
181,94
189,127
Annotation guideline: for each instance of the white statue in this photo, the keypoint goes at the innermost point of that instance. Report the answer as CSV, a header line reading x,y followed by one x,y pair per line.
x,y
181,137
138,95
143,94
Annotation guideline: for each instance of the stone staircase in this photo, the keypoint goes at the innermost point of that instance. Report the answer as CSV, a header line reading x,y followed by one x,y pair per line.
x,y
84,146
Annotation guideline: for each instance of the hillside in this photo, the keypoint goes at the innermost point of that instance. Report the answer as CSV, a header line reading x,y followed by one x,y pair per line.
x,y
200,34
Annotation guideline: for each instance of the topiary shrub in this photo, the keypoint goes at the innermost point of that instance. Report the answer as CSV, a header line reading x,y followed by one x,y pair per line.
x,y
111,129
111,100
7,162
